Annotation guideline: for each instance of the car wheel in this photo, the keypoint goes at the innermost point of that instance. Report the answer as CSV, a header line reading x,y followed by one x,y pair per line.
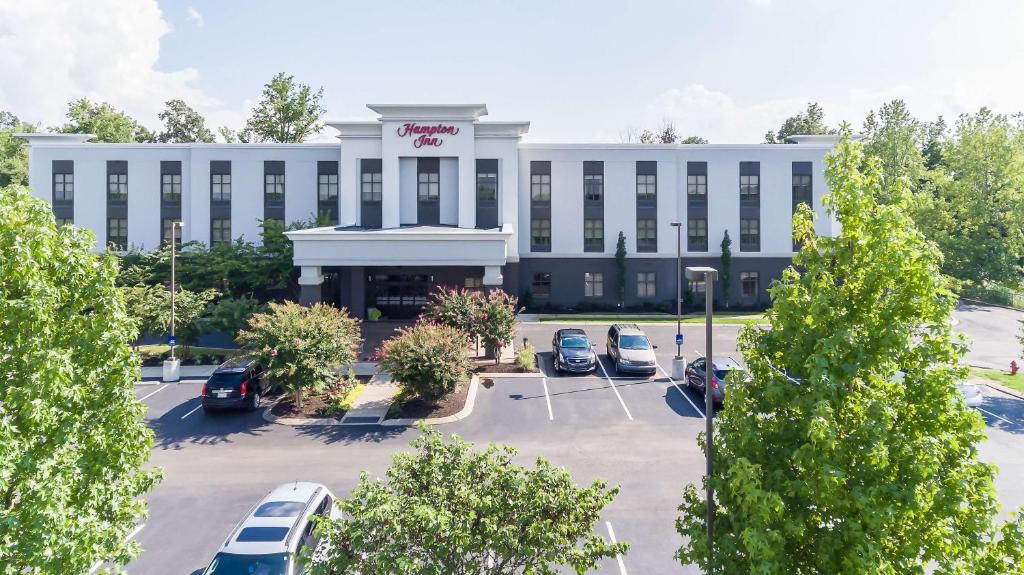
x,y
255,401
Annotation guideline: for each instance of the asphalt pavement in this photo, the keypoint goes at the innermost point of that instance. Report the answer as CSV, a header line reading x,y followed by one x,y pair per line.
x,y
637,433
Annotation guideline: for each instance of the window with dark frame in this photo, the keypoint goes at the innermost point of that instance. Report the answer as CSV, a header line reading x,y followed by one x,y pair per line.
x,y
273,187
647,235
697,235
428,186
593,284
220,231
166,227
64,222
593,235
697,286
220,187
697,187
646,187
646,284
541,285
802,190
372,186
540,233
593,187
327,187
540,182
750,188
117,187
487,186
63,187
117,233
750,235
749,284
170,187
474,284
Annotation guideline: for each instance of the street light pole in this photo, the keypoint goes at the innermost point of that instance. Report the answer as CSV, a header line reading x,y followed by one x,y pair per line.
x,y
708,275
174,226
679,287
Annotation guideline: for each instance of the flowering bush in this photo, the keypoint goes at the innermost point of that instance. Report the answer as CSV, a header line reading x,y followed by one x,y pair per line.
x,y
458,308
498,321
428,359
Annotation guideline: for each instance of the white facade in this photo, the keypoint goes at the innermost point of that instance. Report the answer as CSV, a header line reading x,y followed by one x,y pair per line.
x,y
448,140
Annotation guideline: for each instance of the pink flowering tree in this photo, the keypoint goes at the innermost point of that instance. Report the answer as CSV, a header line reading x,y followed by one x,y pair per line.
x,y
498,311
428,359
458,308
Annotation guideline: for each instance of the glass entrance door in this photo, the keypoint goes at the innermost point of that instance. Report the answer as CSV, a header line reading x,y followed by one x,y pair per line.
x,y
396,295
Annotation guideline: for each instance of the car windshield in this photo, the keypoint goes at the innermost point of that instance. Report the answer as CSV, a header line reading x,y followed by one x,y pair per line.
x,y
231,564
575,341
634,342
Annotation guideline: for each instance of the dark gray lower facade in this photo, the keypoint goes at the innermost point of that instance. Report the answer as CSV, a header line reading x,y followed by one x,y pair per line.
x,y
543,284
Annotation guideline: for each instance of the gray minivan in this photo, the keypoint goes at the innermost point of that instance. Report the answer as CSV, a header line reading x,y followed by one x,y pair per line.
x,y
630,350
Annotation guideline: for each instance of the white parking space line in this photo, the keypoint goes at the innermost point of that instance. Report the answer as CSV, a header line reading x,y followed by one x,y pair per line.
x,y
194,409
126,539
995,416
680,390
154,393
618,556
615,389
544,380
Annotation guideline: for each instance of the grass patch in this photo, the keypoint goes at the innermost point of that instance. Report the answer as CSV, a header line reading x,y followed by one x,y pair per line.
x,y
157,349
997,375
738,318
351,397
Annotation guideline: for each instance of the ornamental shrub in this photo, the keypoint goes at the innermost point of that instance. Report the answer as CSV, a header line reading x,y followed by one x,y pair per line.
x,y
458,308
526,358
430,360
498,321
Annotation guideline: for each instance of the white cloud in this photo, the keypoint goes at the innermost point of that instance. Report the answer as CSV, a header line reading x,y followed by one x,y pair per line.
x,y
53,52
195,17
760,2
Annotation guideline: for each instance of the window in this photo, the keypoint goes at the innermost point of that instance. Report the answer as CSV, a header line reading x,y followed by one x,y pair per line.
x,y
117,233
697,188
220,187
697,286
750,235
593,235
220,231
593,284
428,186
541,286
646,187
487,186
646,284
273,187
540,233
750,188
647,235
117,187
167,225
170,187
802,190
749,283
64,222
593,187
475,284
63,187
327,187
697,235
372,186
540,187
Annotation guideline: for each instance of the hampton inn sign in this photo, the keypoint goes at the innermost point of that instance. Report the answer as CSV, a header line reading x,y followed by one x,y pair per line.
x,y
428,195
426,134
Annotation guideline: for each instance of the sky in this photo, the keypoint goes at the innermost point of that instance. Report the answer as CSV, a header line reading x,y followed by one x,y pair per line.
x,y
727,70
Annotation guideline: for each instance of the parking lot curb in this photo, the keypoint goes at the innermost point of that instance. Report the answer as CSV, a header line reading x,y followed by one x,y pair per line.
x,y
1002,388
467,409
511,374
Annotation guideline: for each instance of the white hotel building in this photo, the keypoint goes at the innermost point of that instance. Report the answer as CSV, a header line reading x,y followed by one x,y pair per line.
x,y
431,195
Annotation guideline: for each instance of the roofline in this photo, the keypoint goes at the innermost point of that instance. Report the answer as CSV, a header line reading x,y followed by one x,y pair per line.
x,y
631,146
189,145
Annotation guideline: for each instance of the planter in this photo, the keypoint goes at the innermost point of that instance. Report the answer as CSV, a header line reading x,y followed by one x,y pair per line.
x,y
678,368
172,370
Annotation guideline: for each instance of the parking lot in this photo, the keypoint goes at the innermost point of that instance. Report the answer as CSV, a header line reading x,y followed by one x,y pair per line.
x,y
638,433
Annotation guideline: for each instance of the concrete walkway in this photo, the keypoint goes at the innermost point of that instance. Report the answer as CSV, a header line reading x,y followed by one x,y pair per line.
x,y
372,405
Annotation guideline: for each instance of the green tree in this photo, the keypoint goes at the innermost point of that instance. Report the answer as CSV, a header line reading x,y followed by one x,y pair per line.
x,y
620,268
848,449
725,274
458,308
933,142
892,137
694,140
809,122
428,359
73,442
229,315
147,306
182,124
288,112
104,121
448,508
302,347
190,309
13,151
975,211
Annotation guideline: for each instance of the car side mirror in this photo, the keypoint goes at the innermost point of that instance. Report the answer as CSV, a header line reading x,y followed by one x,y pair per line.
x,y
654,347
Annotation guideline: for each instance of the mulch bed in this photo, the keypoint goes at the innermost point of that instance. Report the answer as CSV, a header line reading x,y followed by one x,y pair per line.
x,y
491,367
312,405
419,409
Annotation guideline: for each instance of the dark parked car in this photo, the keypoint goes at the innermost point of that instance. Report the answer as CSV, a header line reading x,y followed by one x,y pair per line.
x,y
630,350
571,351
723,368
237,383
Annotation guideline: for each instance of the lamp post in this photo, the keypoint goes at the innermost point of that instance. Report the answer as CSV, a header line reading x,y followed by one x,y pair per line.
x,y
172,365
679,287
708,275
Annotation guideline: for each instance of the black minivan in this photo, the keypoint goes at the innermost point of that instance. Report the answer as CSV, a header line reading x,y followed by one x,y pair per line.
x,y
237,383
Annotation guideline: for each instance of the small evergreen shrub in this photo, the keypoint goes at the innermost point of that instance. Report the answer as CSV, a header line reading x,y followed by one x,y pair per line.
x,y
430,360
526,358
